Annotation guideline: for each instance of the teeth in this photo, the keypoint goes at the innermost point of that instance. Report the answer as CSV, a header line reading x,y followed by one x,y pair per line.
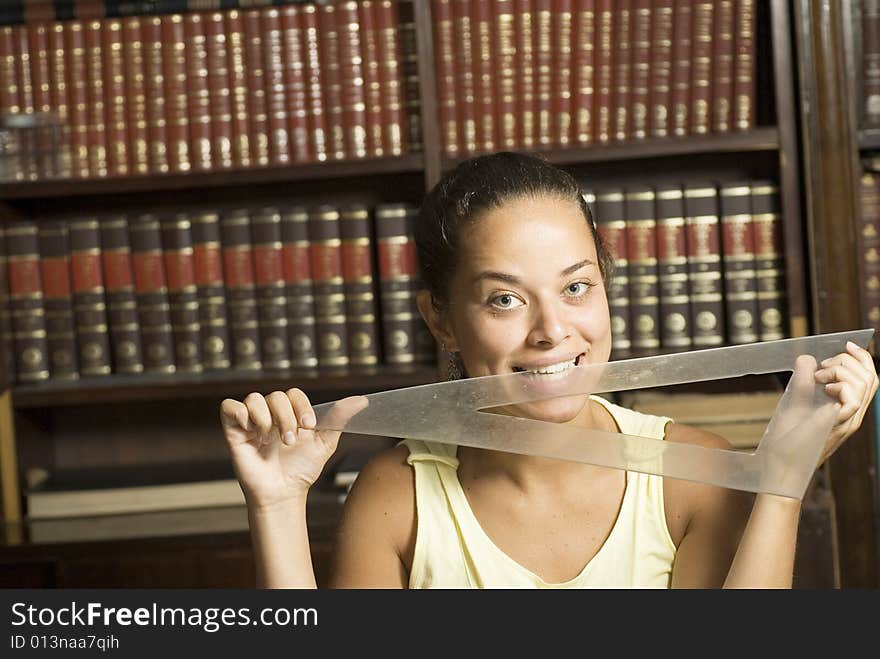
x,y
554,368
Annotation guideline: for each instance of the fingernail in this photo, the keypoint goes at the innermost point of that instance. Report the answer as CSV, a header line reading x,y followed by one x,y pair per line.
x,y
289,437
825,362
308,420
851,345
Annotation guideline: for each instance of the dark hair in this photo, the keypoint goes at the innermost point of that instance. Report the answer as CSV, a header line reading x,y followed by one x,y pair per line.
x,y
478,185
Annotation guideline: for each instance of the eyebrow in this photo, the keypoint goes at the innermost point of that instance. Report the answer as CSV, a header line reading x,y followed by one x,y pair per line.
x,y
503,276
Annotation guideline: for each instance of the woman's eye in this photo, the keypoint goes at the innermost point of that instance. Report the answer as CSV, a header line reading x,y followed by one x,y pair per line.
x,y
577,288
505,301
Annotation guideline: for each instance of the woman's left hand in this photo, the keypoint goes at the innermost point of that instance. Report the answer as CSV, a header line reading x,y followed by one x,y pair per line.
x,y
851,379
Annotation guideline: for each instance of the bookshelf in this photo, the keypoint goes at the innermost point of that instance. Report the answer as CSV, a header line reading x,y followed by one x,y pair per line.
x,y
77,422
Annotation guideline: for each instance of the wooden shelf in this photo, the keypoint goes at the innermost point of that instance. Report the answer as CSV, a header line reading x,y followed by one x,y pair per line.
x,y
409,163
150,387
761,139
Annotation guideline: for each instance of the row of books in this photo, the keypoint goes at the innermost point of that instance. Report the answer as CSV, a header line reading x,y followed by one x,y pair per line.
x,y
243,288
544,73
696,264
869,71
869,243
202,91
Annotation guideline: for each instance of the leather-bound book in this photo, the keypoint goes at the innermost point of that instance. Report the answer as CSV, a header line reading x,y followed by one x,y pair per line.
x,y
675,315
543,33
97,123
183,302
680,100
77,83
317,116
126,350
174,67
270,287
273,80
136,95
644,289
238,89
158,105
611,224
351,67
9,90
197,95
462,100
89,303
445,64
299,287
213,318
23,66
744,67
397,276
485,74
330,314
38,46
255,76
58,88
702,55
372,81
219,94
7,354
26,302
769,261
869,248
504,49
660,109
241,300
295,83
407,72
640,92
704,264
562,72
604,71
738,262
723,67
524,66
331,75
115,98
622,94
583,67
358,274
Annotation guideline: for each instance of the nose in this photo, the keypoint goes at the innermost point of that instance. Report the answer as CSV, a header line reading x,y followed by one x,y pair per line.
x,y
550,325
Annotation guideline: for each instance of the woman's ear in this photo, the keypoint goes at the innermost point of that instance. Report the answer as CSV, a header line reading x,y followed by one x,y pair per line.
x,y
436,320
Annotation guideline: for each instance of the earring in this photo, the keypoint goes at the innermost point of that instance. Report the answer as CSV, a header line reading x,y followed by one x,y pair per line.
x,y
453,364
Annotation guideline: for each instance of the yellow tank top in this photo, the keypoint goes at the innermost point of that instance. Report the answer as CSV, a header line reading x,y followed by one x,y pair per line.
x,y
453,551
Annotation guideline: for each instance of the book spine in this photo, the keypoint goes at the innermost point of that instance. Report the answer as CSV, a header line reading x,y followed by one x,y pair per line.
x,y
77,82
644,294
97,122
178,258
24,163
372,81
604,70
270,287
660,67
680,95
241,300
89,304
358,283
238,89
612,226
318,134
299,287
584,71
769,265
675,314
702,45
621,97
354,110
461,88
126,350
26,302
197,94
504,57
543,48
24,71
157,104
219,95
208,262
738,263
115,102
136,92
151,293
562,72
723,67
295,84
7,358
445,64
331,74
641,68
47,157
9,102
255,73
397,272
869,248
273,74
330,316
407,75
744,67
704,264
484,76
175,81
57,72
525,72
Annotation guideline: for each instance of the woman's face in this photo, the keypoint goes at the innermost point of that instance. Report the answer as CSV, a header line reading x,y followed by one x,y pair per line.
x,y
528,296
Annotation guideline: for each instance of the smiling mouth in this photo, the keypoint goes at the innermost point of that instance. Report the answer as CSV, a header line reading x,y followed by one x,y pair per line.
x,y
552,371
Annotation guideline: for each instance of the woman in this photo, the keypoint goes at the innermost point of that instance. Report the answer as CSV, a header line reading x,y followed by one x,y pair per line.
x,y
513,276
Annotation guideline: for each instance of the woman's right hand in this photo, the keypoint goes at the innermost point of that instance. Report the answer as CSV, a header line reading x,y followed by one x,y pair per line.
x,y
276,453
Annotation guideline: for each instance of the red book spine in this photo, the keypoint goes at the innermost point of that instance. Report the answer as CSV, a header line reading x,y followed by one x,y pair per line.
x,y
241,301
77,82
372,79
157,104
644,288
270,287
8,72
612,226
208,260
318,134
58,301
675,314
641,68
136,92
273,80
738,263
38,46
358,273
446,77
23,66
723,67
26,303
57,72
125,340
704,264
115,98
869,248
504,56
604,70
97,123
255,74
175,81
562,72
296,84
661,67
198,101
702,45
330,315
525,72
331,74
183,303
219,95
543,21
769,262
681,67
622,94
354,115
89,304
397,273
299,287
238,89
398,77
584,71
744,67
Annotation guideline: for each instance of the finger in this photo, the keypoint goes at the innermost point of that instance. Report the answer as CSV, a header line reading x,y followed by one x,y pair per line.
x,y
801,387
283,417
863,356
850,401
234,414
342,411
258,411
302,408
851,365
